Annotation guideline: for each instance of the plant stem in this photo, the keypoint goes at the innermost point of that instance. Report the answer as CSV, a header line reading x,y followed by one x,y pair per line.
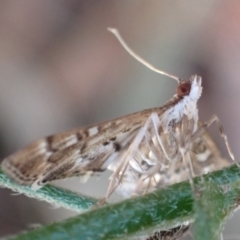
x,y
164,208
57,196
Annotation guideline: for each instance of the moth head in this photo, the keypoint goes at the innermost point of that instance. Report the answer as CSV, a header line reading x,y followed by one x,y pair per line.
x,y
191,88
184,89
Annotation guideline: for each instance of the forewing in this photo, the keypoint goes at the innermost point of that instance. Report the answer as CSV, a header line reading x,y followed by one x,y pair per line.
x,y
75,153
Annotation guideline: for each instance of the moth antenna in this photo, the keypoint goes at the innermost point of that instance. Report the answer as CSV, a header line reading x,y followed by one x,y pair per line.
x,y
138,58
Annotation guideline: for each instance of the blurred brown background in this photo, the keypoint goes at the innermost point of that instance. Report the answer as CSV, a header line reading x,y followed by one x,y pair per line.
x,y
60,68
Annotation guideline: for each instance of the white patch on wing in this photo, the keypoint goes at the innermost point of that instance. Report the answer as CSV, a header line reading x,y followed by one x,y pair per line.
x,y
40,149
65,142
71,140
93,131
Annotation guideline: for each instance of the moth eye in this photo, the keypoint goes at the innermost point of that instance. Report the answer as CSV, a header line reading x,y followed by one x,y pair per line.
x,y
183,89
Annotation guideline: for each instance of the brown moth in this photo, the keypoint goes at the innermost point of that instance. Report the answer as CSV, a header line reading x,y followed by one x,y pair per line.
x,y
145,149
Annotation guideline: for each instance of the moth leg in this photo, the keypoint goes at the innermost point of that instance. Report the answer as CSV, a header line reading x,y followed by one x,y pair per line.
x,y
149,176
114,179
118,174
156,124
205,125
148,179
183,149
161,150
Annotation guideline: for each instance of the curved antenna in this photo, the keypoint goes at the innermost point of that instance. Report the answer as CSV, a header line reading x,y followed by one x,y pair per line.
x,y
130,51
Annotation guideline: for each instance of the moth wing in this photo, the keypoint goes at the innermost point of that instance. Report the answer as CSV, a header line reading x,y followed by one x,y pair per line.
x,y
75,153
205,157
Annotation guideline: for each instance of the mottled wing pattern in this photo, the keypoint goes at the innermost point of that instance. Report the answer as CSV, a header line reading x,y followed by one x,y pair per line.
x,y
79,152
87,150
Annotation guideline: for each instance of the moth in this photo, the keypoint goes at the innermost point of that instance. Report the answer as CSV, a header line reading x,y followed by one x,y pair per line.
x,y
143,150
